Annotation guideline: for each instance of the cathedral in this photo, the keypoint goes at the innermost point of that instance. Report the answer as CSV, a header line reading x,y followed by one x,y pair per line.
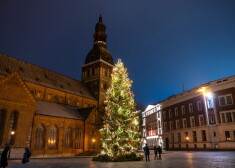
x,y
52,114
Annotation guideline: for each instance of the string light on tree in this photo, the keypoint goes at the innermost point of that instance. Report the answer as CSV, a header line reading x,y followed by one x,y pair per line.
x,y
120,135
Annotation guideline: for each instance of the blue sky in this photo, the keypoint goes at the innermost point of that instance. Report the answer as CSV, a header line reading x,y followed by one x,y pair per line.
x,y
162,42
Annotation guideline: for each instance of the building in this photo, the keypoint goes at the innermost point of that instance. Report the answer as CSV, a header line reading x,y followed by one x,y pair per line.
x,y
152,126
52,114
202,118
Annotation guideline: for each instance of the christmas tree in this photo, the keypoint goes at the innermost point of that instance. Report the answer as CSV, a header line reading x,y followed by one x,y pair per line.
x,y
120,136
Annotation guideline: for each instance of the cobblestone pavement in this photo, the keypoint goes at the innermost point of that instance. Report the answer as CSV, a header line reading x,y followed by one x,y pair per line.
x,y
170,159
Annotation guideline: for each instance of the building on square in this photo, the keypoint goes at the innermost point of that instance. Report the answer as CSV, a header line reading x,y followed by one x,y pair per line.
x,y
52,114
152,126
202,118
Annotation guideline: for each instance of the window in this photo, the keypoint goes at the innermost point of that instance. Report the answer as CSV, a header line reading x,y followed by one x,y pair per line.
x,y
227,117
199,105
190,108
192,121
209,102
179,137
49,97
52,138
214,134
227,136
172,138
165,126
176,112
212,119
225,100
68,138
177,124
194,136
40,135
78,139
184,123
164,115
39,94
171,125
203,135
170,114
201,120
183,110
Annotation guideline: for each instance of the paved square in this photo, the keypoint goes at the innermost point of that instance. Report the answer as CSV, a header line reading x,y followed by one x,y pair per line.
x,y
170,159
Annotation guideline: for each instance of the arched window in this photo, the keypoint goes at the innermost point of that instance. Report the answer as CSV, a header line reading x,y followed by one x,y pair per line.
x,y
68,138
52,138
12,127
78,139
40,136
2,124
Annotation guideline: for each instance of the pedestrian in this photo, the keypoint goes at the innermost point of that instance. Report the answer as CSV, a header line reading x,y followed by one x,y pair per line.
x,y
26,155
155,152
146,152
159,149
4,162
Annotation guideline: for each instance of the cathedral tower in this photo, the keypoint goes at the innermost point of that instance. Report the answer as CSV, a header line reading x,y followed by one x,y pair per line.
x,y
96,72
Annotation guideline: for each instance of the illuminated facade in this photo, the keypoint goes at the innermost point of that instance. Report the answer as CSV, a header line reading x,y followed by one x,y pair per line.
x,y
50,113
202,118
152,126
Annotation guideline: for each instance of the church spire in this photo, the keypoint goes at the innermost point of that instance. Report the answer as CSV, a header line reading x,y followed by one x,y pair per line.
x,y
100,36
100,18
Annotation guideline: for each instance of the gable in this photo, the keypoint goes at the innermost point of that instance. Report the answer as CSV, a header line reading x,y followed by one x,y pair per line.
x,y
14,90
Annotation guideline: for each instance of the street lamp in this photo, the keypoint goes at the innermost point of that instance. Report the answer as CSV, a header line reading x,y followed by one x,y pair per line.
x,y
206,94
93,143
187,140
11,143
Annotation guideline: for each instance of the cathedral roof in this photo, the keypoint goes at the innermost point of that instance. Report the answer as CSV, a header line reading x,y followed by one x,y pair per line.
x,y
99,50
97,53
60,110
41,76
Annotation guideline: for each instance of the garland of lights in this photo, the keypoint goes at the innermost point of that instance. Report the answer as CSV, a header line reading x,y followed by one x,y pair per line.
x,y
120,133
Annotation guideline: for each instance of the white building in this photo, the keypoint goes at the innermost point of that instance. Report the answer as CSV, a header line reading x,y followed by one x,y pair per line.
x,y
152,126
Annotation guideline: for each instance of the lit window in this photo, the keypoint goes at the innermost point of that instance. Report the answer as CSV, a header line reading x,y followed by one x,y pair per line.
x,y
52,138
227,136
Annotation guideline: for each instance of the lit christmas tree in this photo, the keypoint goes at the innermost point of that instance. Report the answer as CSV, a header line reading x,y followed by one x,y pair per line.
x,y
120,136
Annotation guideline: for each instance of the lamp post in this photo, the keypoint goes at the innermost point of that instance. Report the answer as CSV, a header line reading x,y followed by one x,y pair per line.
x,y
187,140
11,143
93,143
206,93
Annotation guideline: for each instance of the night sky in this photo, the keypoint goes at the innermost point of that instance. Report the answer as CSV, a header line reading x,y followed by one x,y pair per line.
x,y
162,42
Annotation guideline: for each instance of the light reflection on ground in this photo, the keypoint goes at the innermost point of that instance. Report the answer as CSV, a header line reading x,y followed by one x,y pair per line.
x,y
170,159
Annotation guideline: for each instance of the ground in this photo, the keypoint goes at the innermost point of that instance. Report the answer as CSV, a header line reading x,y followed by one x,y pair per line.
x,y
169,159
